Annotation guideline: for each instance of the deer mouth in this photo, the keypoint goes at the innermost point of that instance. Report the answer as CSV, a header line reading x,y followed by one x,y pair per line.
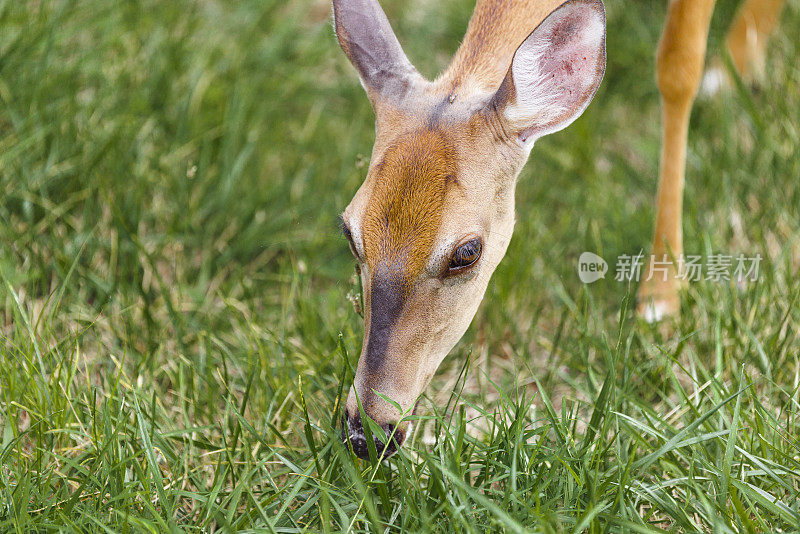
x,y
353,432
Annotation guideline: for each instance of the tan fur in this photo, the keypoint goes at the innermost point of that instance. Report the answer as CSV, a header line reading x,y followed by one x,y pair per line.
x,y
679,69
496,29
454,188
443,169
750,31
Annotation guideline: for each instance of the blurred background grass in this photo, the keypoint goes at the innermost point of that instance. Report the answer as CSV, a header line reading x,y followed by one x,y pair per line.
x,y
171,173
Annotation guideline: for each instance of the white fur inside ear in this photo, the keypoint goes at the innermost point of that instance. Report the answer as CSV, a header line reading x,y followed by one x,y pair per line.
x,y
534,96
556,71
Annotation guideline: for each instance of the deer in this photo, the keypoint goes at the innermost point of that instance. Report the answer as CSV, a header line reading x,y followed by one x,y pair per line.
x,y
435,212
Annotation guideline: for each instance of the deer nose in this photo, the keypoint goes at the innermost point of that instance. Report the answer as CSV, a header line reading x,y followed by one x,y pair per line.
x,y
354,429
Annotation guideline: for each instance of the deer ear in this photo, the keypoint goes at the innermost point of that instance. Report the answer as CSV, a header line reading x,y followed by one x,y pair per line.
x,y
555,72
368,41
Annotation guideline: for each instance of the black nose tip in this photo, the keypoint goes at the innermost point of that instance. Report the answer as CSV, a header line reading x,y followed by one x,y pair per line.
x,y
353,430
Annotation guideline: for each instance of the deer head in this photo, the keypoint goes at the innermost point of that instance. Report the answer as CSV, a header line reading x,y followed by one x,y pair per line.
x,y
435,213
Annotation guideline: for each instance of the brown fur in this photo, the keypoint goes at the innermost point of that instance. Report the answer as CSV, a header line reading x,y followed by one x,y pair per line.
x,y
405,209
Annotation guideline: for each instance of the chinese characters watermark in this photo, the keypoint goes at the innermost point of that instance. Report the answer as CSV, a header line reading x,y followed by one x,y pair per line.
x,y
690,268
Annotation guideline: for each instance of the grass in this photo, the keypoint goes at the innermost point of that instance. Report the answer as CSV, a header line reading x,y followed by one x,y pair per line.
x,y
176,331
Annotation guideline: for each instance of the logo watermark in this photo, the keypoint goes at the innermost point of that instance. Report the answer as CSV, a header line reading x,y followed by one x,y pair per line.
x,y
691,268
591,267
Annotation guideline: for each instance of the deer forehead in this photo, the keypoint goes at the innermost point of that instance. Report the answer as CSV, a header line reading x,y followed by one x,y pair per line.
x,y
411,180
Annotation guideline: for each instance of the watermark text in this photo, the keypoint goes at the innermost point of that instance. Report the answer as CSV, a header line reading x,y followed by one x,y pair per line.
x,y
686,267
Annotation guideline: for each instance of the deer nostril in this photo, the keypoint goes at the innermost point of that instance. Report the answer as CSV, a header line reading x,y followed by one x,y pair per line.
x,y
353,430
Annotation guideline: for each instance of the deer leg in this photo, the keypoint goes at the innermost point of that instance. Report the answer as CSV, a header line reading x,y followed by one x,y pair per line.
x,y
679,69
749,33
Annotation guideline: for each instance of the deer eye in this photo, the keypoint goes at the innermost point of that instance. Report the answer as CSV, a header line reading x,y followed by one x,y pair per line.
x,y
465,256
349,235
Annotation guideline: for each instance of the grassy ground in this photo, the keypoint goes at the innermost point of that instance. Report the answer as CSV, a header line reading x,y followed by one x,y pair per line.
x,y
175,328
